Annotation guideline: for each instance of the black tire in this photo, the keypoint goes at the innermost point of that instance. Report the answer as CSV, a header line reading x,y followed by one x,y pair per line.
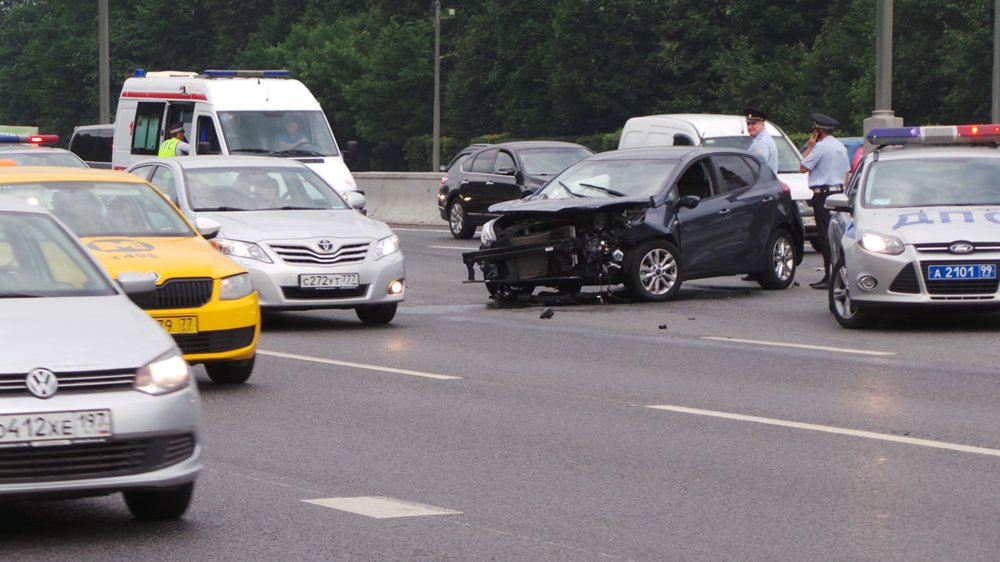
x,y
458,221
502,293
159,504
653,271
779,271
231,372
376,313
848,314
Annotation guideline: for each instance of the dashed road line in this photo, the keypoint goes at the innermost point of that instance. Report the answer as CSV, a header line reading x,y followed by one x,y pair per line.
x,y
358,365
803,346
381,507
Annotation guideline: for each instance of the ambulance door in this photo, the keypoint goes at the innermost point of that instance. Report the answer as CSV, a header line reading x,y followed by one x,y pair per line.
x,y
180,113
206,136
147,129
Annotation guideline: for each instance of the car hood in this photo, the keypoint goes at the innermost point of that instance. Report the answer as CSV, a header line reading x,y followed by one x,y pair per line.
x,y
923,225
78,333
170,258
551,206
255,226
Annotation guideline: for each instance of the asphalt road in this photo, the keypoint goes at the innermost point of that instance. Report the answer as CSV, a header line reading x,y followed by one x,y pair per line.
x,y
730,424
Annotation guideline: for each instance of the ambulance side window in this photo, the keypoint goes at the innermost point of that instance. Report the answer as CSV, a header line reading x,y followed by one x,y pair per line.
x,y
146,136
208,141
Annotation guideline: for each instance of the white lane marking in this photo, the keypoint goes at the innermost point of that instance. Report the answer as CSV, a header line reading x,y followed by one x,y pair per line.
x,y
803,346
453,247
420,230
358,365
832,429
381,507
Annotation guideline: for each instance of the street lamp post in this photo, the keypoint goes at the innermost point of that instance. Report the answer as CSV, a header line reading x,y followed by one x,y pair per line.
x,y
436,148
883,115
103,72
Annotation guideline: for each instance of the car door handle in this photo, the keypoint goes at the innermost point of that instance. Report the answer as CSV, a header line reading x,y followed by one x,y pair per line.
x,y
767,199
724,212
465,182
489,183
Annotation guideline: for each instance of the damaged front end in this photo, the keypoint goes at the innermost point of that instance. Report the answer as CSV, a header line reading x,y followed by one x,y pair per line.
x,y
562,250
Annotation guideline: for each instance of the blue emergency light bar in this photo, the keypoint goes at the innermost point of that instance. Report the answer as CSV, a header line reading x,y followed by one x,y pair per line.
x,y
247,73
28,139
938,134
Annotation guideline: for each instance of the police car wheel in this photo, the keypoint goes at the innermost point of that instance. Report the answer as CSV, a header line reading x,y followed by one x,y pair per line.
x,y
779,269
653,271
847,313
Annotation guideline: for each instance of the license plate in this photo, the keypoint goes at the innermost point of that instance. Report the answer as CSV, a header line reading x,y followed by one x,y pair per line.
x,y
62,427
328,281
961,272
178,324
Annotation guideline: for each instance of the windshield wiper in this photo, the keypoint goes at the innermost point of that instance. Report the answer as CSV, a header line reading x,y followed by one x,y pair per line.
x,y
252,151
570,191
18,296
298,152
604,189
209,209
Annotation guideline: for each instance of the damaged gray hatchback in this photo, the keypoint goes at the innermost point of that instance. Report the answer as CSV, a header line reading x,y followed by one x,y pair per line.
x,y
647,219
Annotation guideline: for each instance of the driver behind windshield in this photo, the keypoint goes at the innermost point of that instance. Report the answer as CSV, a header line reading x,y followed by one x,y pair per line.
x,y
291,138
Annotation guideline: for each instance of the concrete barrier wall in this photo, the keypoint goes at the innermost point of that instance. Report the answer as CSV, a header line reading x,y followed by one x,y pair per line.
x,y
402,197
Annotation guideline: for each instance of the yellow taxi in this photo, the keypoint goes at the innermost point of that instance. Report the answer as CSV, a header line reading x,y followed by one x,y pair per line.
x,y
204,300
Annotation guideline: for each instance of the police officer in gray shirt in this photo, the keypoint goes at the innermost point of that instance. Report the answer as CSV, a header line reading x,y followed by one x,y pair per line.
x,y
827,165
762,145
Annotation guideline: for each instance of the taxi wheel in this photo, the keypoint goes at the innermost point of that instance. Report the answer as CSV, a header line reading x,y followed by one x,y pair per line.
x,y
458,221
233,372
653,271
159,504
376,314
779,270
848,314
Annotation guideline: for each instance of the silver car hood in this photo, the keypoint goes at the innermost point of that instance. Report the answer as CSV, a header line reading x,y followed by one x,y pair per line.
x,y
923,225
77,333
255,226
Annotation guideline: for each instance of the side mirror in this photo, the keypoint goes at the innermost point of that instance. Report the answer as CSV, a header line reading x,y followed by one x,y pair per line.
x,y
207,227
443,168
837,202
506,171
689,201
136,284
355,199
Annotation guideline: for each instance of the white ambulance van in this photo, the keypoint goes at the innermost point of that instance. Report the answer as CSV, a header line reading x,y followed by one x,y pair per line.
x,y
227,112
728,131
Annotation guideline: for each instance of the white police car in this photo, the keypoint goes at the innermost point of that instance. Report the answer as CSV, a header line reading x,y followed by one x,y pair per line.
x,y
918,225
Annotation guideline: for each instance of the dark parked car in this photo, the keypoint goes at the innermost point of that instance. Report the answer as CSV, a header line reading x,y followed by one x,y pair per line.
x,y
647,218
500,172
93,144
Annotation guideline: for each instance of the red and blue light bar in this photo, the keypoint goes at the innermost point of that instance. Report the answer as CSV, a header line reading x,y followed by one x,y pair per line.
x,y
247,73
937,134
28,139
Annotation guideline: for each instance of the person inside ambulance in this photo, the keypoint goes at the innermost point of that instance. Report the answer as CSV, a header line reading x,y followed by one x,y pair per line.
x,y
291,138
176,144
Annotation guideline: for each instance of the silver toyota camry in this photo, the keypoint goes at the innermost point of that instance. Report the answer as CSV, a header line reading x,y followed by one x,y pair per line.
x,y
95,397
304,246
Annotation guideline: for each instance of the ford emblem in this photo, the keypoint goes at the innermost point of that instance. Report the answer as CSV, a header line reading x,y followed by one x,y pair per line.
x,y
961,248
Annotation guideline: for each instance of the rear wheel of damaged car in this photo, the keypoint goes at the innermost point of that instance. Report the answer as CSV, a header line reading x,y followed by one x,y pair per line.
x,y
230,372
376,313
159,504
458,221
779,267
848,314
653,271
504,293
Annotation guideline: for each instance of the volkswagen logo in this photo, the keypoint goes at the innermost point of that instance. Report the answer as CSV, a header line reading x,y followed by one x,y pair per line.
x,y
325,245
42,383
961,247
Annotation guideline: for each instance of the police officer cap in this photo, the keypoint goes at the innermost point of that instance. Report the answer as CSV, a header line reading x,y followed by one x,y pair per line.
x,y
176,128
824,122
754,114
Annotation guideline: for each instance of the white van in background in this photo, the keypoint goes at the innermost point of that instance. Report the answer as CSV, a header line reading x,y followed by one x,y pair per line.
x,y
226,112
730,131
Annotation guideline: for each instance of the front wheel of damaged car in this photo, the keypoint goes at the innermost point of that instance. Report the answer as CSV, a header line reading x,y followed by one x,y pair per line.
x,y
653,271
376,314
230,372
502,293
159,504
458,221
847,313
779,269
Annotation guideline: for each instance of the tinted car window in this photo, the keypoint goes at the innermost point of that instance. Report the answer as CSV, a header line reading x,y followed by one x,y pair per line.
x,y
733,171
483,162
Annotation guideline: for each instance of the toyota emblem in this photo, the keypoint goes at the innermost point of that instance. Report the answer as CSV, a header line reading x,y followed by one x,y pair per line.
x,y
325,245
961,247
42,383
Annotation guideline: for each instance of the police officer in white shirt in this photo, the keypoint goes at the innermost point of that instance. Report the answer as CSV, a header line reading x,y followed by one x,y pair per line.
x,y
827,165
762,145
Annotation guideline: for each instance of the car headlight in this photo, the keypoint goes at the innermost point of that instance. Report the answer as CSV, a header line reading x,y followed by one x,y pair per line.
x,y
386,246
165,374
487,237
235,287
881,244
240,249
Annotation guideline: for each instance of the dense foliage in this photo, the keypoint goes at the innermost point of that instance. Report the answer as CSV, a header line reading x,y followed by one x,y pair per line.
x,y
569,69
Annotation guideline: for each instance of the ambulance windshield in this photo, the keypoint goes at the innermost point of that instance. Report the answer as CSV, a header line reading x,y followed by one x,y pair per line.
x,y
278,133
